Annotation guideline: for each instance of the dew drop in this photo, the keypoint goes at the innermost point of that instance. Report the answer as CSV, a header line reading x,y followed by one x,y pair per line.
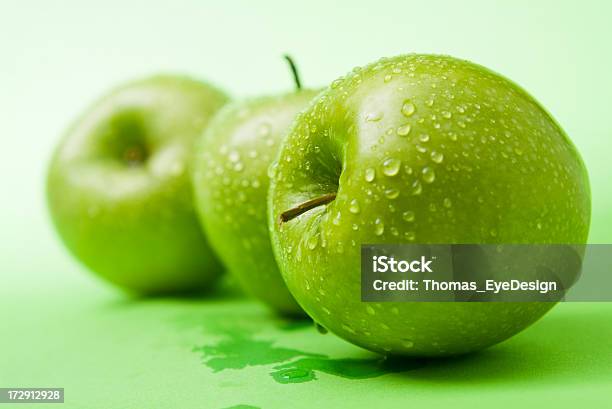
x,y
408,216
428,175
337,218
370,174
374,116
424,137
416,188
437,157
379,227
408,108
348,329
406,343
354,206
391,166
404,130
392,193
312,242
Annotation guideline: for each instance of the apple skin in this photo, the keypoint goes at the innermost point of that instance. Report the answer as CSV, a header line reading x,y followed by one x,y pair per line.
x,y
119,187
420,149
231,185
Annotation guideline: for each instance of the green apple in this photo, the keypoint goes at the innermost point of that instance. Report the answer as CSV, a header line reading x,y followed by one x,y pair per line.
x,y
231,186
119,188
419,149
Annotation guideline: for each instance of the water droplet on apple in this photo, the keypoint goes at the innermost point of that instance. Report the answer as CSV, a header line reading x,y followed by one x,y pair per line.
x,y
416,188
370,174
424,137
336,219
354,206
391,166
387,78
312,242
404,130
238,167
437,157
348,329
373,116
408,108
370,310
406,343
392,193
428,174
446,114
408,216
410,235
447,203
379,227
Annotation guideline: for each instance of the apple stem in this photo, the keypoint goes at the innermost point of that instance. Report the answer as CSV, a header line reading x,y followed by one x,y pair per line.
x,y
306,206
296,75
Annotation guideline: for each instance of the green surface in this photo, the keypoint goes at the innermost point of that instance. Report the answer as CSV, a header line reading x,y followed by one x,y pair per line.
x,y
60,326
109,352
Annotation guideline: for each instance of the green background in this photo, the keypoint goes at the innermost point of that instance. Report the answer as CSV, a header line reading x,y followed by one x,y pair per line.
x,y
60,326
